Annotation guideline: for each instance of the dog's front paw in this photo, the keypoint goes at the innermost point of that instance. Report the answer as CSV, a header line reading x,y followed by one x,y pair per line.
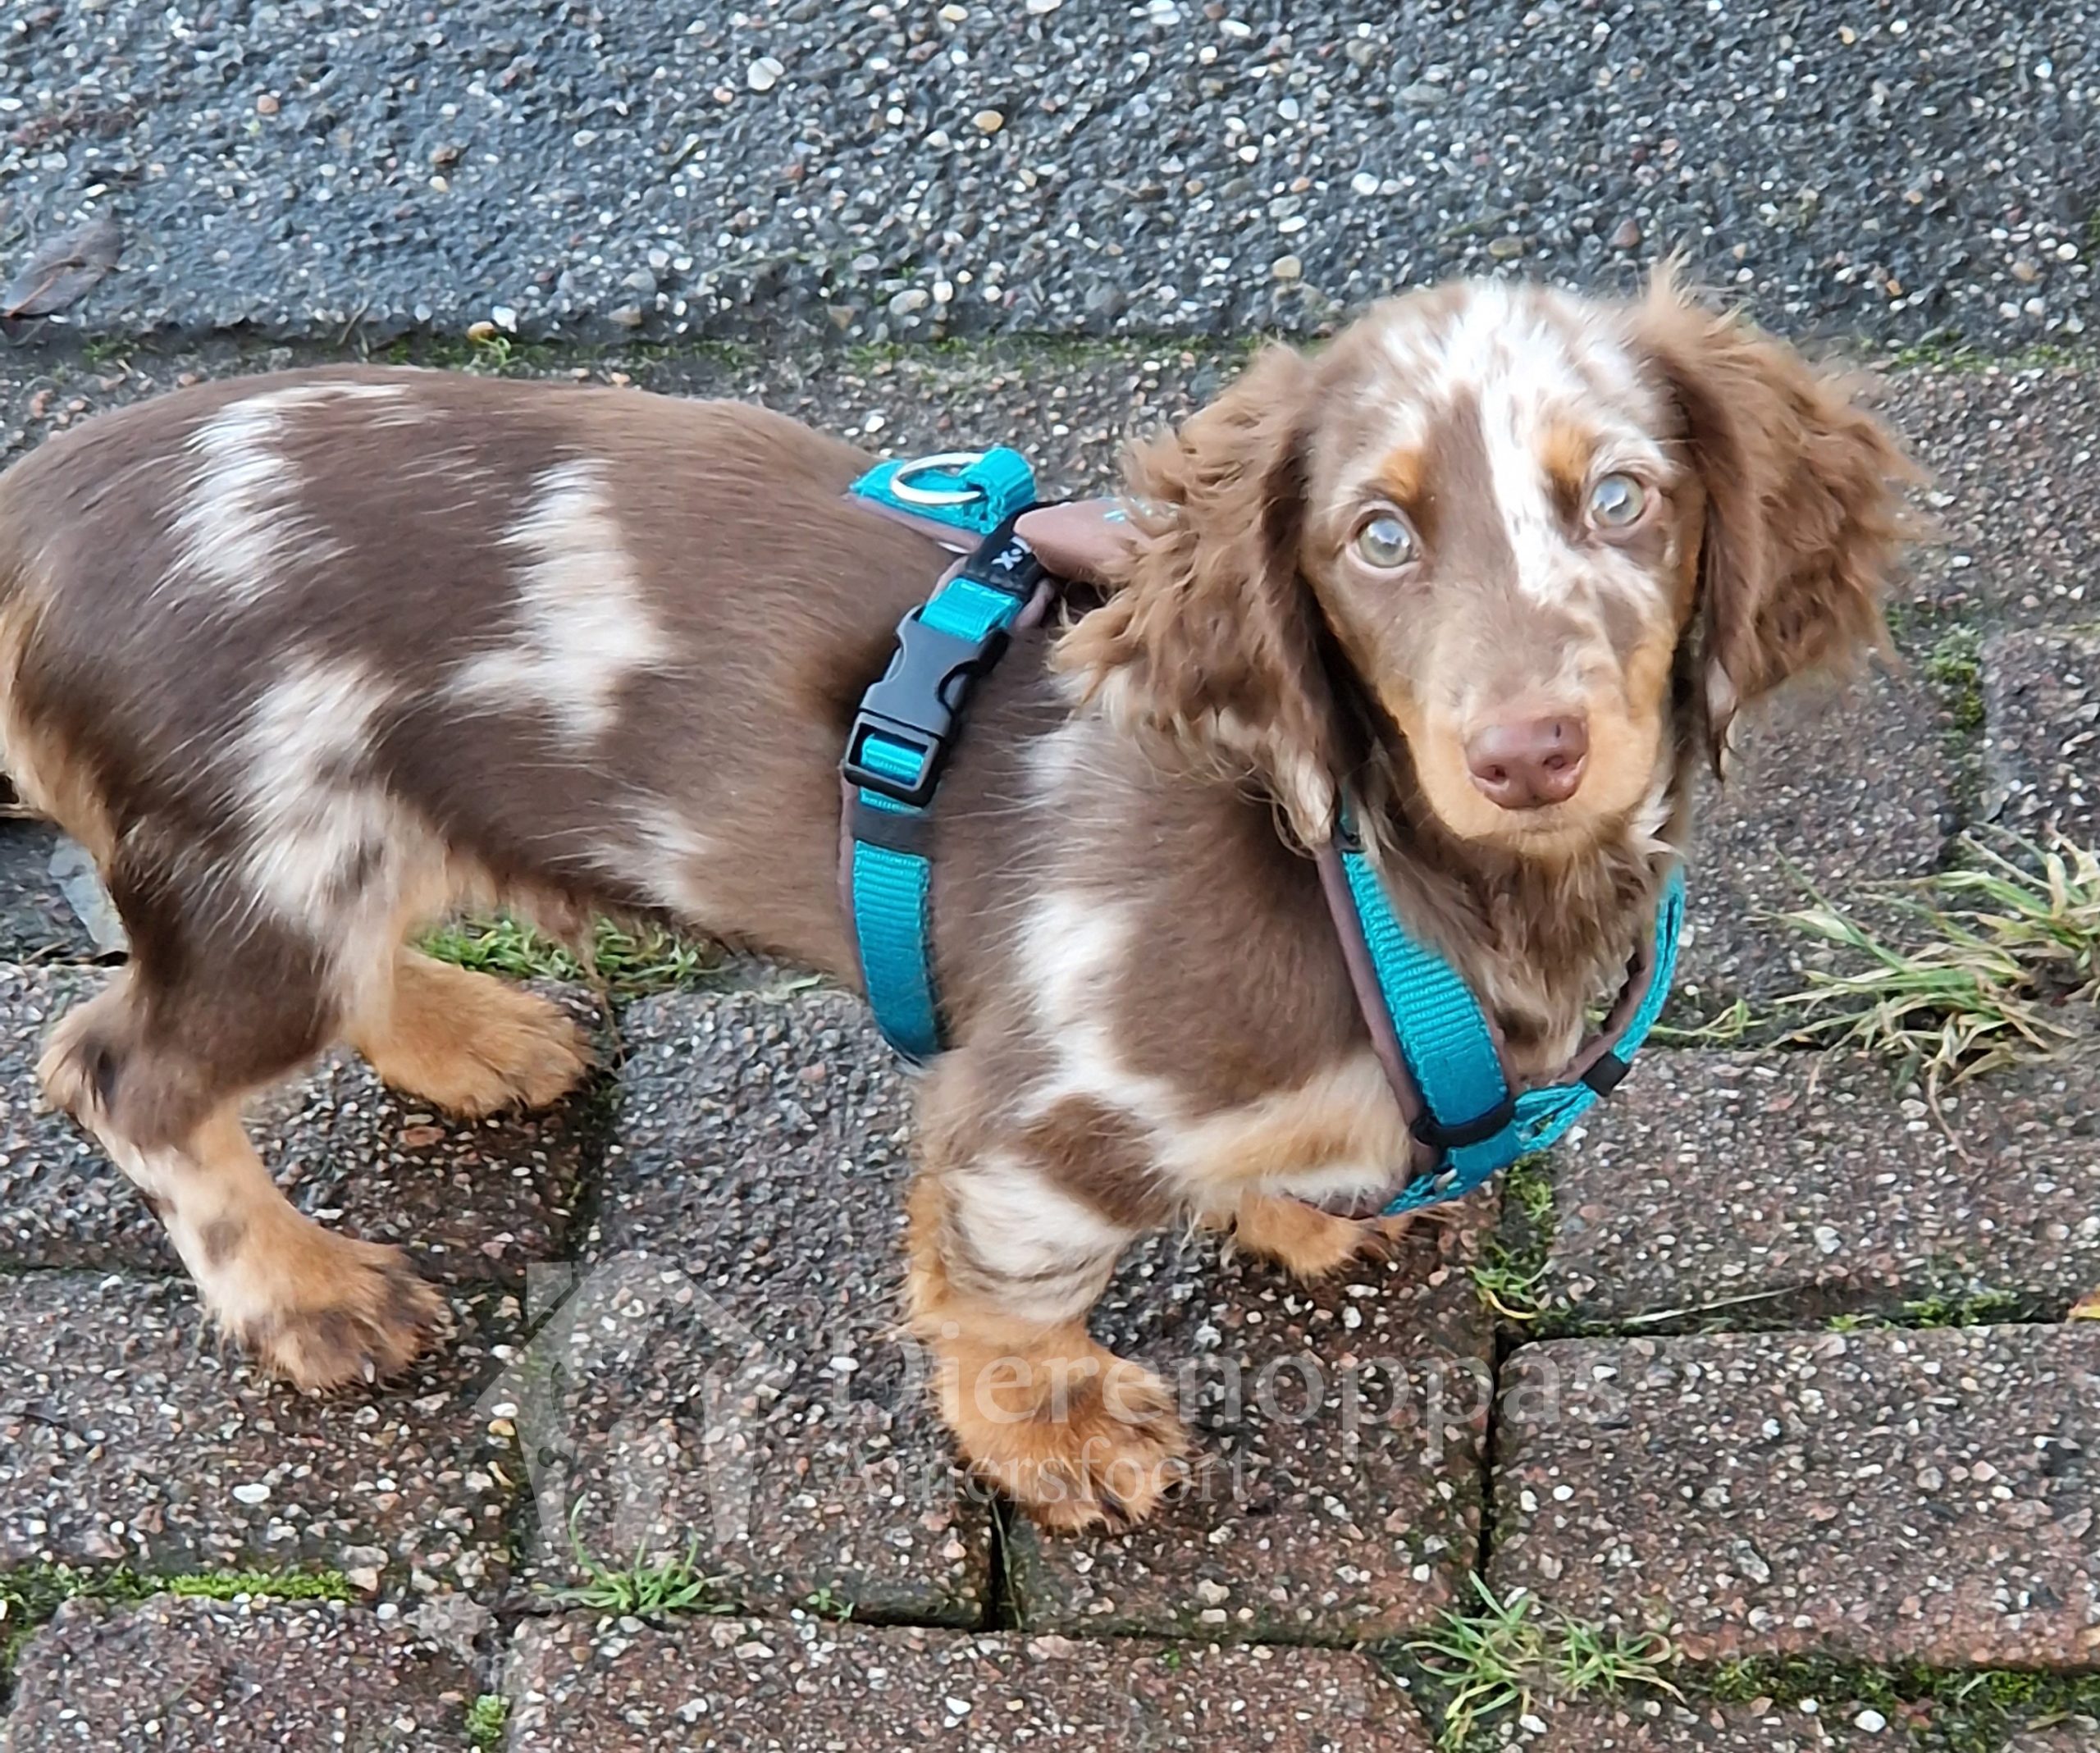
x,y
336,1314
1309,1243
1078,1441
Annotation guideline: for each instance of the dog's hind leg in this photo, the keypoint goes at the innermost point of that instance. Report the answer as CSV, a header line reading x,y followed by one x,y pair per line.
x,y
467,1042
156,1068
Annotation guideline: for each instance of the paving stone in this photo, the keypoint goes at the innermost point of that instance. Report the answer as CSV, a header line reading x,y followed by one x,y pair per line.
x,y
2081,1735
1832,787
471,1200
2011,451
1880,1497
1664,1725
1792,1185
723,1370
813,1686
1342,1433
2041,743
178,1675
36,923
126,1435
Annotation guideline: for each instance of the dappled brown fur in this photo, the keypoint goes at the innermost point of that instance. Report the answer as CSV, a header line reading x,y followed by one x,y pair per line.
x,y
1802,528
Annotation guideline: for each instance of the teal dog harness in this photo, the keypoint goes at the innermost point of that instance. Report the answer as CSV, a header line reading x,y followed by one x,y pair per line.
x,y
1441,1052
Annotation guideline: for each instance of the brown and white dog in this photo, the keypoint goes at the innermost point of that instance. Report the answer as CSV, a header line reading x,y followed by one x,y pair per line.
x,y
306,660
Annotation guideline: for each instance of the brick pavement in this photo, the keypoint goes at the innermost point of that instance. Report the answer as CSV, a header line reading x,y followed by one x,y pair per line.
x,y
672,1300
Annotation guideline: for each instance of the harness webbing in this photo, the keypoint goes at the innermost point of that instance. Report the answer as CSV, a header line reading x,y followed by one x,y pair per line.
x,y
904,730
1441,1054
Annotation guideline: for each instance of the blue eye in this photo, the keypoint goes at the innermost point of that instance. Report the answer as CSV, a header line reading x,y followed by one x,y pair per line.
x,y
1384,542
1617,501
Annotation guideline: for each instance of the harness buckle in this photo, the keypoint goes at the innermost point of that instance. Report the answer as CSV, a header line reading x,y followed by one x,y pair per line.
x,y
900,735
1428,1130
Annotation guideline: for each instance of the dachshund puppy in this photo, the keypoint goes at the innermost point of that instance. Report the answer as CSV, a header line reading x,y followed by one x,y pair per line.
x,y
307,660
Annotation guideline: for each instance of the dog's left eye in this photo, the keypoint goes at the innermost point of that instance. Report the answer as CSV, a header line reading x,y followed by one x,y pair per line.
x,y
1384,542
1617,501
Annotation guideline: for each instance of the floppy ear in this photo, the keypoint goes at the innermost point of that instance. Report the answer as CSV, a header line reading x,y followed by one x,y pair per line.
x,y
1803,509
1207,646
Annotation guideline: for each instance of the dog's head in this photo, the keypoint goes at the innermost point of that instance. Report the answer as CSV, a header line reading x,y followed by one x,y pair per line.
x,y
1539,545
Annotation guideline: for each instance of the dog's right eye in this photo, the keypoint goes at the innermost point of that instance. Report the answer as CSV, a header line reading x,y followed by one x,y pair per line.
x,y
1384,542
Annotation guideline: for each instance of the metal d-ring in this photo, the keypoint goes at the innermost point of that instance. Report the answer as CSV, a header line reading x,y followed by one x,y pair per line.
x,y
950,463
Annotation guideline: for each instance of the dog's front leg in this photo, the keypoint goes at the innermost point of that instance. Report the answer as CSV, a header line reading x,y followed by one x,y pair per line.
x,y
1006,1257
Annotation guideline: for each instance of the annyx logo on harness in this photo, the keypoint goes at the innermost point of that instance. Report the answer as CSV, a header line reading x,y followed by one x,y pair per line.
x,y
1439,1050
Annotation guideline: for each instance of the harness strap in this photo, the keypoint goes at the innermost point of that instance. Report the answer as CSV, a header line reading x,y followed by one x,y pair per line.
x,y
1440,1054
905,729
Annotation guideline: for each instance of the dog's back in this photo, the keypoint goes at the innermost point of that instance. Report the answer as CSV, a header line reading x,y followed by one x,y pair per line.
x,y
305,659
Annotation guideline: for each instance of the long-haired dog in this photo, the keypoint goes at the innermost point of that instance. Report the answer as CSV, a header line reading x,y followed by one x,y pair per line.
x,y
306,660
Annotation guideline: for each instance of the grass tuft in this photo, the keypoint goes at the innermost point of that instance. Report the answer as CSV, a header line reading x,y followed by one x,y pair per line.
x,y
827,1602
486,1718
642,1587
1511,1272
630,964
1955,665
1992,964
1501,1659
1724,1029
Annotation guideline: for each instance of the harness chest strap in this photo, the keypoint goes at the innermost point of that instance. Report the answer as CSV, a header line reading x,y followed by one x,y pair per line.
x,y
903,733
1441,1052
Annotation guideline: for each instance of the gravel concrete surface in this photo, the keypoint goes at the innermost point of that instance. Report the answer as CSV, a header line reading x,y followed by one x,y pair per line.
x,y
183,1676
1754,1189
2042,755
1881,1497
806,1686
724,1368
1063,168
127,1437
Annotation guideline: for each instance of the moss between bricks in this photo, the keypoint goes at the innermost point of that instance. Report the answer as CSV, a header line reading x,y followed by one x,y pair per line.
x,y
485,1719
1944,1712
29,1596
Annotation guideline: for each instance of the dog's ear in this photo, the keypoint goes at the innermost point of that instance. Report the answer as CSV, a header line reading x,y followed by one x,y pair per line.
x,y
1207,647
1804,511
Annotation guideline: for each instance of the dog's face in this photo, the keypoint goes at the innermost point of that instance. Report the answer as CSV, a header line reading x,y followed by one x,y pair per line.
x,y
1502,533
1542,539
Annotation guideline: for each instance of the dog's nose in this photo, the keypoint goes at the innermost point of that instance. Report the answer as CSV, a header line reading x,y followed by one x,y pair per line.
x,y
1526,764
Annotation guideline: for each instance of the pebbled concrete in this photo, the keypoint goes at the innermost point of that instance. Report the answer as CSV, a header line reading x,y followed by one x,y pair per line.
x,y
125,1437
1881,1498
1833,787
1757,1188
721,1367
1079,167
184,1676
753,1686
2042,751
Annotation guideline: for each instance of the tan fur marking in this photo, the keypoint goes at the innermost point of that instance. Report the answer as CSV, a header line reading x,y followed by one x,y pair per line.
x,y
1078,1436
1308,1244
470,1044
1566,450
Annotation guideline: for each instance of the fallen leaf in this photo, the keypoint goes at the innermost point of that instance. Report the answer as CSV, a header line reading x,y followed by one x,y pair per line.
x,y
2087,1307
64,270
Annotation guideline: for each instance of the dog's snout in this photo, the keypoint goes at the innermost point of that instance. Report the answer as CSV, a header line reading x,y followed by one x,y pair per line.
x,y
1526,764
